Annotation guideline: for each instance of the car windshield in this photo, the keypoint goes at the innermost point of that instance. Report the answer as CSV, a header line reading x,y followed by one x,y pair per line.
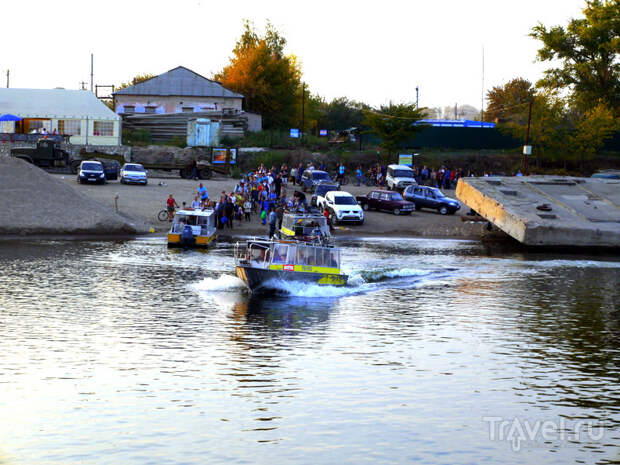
x,y
320,176
403,174
344,200
397,196
321,189
134,168
92,166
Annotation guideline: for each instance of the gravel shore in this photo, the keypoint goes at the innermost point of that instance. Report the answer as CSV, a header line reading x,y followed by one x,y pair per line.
x,y
144,202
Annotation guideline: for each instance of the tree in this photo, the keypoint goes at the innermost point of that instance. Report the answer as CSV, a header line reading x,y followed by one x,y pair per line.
x,y
342,113
588,50
269,80
394,124
591,131
136,80
508,101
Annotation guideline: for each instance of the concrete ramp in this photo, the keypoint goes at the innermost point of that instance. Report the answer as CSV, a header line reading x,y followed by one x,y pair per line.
x,y
548,210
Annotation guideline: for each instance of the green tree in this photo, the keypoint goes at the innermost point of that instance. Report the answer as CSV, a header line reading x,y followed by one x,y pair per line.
x,y
394,124
342,113
590,133
508,101
268,79
587,50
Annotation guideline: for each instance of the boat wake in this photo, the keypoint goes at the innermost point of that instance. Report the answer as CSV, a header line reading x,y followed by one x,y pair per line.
x,y
360,282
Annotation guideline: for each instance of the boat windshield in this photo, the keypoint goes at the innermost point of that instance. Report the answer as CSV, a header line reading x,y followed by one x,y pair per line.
x,y
306,255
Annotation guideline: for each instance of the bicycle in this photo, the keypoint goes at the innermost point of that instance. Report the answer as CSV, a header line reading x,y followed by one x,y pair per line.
x,y
163,215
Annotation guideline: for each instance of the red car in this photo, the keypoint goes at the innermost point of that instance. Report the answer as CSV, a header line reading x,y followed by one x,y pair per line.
x,y
386,200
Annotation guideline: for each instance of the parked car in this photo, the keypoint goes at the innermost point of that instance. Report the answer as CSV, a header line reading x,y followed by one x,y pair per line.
x,y
91,171
431,197
310,179
111,168
399,177
320,190
342,207
133,173
386,200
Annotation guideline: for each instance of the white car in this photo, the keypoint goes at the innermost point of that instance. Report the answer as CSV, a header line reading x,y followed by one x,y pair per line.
x,y
398,177
133,173
342,207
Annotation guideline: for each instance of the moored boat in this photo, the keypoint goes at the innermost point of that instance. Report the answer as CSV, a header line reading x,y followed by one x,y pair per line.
x,y
265,264
192,228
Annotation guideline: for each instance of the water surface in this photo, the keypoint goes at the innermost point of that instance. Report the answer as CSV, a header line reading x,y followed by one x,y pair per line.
x,y
126,352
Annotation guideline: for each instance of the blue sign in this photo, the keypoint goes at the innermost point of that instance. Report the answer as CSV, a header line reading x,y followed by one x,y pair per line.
x,y
295,133
323,132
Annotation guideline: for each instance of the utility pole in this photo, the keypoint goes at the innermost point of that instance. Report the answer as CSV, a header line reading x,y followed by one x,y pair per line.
x,y
455,117
527,149
303,104
82,85
91,72
7,78
416,97
482,97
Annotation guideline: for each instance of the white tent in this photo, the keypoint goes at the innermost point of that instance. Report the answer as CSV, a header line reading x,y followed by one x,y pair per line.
x,y
61,104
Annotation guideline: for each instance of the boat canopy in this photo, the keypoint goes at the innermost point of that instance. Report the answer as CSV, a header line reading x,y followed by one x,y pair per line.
x,y
264,253
299,224
201,221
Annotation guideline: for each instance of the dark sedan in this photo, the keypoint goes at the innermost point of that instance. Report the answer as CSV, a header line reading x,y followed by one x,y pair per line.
x,y
311,178
387,201
431,197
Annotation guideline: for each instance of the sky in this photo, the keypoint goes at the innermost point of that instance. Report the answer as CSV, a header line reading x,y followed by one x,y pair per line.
x,y
373,52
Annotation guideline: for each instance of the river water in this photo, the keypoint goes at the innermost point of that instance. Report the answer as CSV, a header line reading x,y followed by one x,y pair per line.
x,y
439,352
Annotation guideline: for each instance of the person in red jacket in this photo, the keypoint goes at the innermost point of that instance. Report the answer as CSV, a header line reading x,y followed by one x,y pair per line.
x,y
171,204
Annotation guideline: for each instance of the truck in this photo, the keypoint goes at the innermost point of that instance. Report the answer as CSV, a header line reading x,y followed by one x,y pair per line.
x,y
47,153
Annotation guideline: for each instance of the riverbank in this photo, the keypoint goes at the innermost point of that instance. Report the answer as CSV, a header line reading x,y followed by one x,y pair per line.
x,y
144,202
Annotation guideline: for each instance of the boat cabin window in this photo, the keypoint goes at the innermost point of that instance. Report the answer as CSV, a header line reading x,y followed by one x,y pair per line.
x,y
317,256
280,254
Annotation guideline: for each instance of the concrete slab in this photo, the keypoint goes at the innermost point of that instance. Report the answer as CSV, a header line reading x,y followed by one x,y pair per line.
x,y
548,210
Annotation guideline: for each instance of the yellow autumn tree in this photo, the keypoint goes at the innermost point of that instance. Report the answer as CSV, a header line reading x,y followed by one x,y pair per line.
x,y
268,79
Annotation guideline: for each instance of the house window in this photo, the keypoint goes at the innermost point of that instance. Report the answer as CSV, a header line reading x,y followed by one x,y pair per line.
x,y
129,108
69,127
103,128
187,109
150,109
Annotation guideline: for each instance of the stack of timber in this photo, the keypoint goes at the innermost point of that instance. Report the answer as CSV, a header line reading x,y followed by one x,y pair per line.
x,y
165,126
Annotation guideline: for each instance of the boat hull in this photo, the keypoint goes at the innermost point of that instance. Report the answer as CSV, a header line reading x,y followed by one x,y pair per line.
x,y
259,279
199,242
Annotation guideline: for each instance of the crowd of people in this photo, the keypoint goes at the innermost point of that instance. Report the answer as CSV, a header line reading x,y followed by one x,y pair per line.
x,y
262,192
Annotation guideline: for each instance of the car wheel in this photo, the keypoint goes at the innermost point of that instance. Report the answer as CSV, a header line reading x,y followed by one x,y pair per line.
x,y
443,210
360,222
122,180
146,182
366,207
397,211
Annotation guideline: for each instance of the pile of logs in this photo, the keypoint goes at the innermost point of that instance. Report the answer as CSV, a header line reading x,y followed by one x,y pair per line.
x,y
164,127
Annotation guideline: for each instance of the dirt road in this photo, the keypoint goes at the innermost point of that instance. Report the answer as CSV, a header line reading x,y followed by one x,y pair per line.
x,y
143,203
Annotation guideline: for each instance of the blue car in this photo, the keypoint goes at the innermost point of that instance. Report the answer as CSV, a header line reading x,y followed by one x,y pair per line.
x,y
311,178
431,197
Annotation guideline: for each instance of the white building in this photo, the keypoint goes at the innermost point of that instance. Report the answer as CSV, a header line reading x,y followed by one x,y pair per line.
x,y
77,113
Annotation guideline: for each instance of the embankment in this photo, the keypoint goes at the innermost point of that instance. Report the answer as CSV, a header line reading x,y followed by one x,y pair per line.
x,y
36,203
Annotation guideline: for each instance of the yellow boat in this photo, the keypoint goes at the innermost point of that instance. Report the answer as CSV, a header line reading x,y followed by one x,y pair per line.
x,y
201,225
262,263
